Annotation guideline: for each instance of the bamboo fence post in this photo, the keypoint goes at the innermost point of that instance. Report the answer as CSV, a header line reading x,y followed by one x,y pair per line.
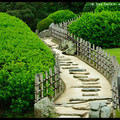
x,y
46,77
41,84
50,73
36,87
55,71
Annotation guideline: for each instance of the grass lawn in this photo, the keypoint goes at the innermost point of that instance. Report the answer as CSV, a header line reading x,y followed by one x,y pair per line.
x,y
115,52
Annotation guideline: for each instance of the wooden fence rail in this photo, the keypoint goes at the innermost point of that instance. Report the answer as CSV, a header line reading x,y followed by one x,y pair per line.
x,y
95,56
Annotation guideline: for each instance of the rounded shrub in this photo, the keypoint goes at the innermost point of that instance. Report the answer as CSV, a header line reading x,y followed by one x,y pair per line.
x,y
62,15
108,6
89,7
44,24
101,29
22,55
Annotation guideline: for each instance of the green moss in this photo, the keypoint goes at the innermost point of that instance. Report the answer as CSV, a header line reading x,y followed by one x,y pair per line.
x,y
117,113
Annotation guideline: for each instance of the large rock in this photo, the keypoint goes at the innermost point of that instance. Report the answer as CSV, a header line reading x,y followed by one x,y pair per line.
x,y
44,33
94,105
105,112
94,114
68,47
44,108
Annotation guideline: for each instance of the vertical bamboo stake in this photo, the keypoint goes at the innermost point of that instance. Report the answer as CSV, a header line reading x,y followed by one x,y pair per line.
x,y
41,81
89,52
55,71
50,72
36,88
77,46
93,55
46,77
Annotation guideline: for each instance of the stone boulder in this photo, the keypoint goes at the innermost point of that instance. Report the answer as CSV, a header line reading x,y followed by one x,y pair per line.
x,y
44,108
68,47
44,33
99,110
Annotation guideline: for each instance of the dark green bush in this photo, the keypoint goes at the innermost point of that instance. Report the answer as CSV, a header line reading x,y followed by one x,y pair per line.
x,y
108,6
89,7
22,55
44,24
101,29
62,15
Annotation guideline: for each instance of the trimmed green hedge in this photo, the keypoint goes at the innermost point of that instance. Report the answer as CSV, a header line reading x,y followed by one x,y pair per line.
x,y
101,29
22,55
108,6
44,24
89,7
62,15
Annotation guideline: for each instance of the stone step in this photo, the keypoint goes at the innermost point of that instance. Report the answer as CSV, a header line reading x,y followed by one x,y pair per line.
x,y
83,106
86,86
61,56
89,79
65,116
90,83
89,98
90,94
74,64
90,89
78,72
80,76
64,59
65,64
75,102
70,111
68,67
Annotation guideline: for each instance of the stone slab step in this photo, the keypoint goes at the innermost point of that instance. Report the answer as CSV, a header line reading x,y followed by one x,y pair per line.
x,y
65,64
89,98
89,79
81,106
90,89
75,102
90,83
74,64
65,59
68,67
61,56
80,76
79,72
90,94
70,111
65,116
86,86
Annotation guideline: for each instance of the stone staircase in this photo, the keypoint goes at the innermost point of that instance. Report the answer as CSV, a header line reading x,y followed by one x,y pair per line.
x,y
87,88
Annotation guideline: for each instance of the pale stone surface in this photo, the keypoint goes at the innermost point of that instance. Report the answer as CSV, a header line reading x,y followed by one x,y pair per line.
x,y
86,86
80,76
64,59
70,111
91,94
69,67
78,72
81,106
63,116
90,89
90,83
43,108
89,79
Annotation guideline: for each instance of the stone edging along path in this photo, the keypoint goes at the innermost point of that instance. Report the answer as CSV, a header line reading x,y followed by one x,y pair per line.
x,y
83,84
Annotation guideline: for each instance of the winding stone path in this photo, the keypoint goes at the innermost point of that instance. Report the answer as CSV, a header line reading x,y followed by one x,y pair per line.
x,y
83,84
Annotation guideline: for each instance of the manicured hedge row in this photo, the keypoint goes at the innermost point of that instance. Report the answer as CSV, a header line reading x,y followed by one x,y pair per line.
x,y
101,29
108,6
22,55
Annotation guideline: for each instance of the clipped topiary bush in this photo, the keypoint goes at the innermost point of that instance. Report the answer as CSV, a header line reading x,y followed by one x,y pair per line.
x,y
108,6
62,15
44,24
89,7
101,29
22,55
